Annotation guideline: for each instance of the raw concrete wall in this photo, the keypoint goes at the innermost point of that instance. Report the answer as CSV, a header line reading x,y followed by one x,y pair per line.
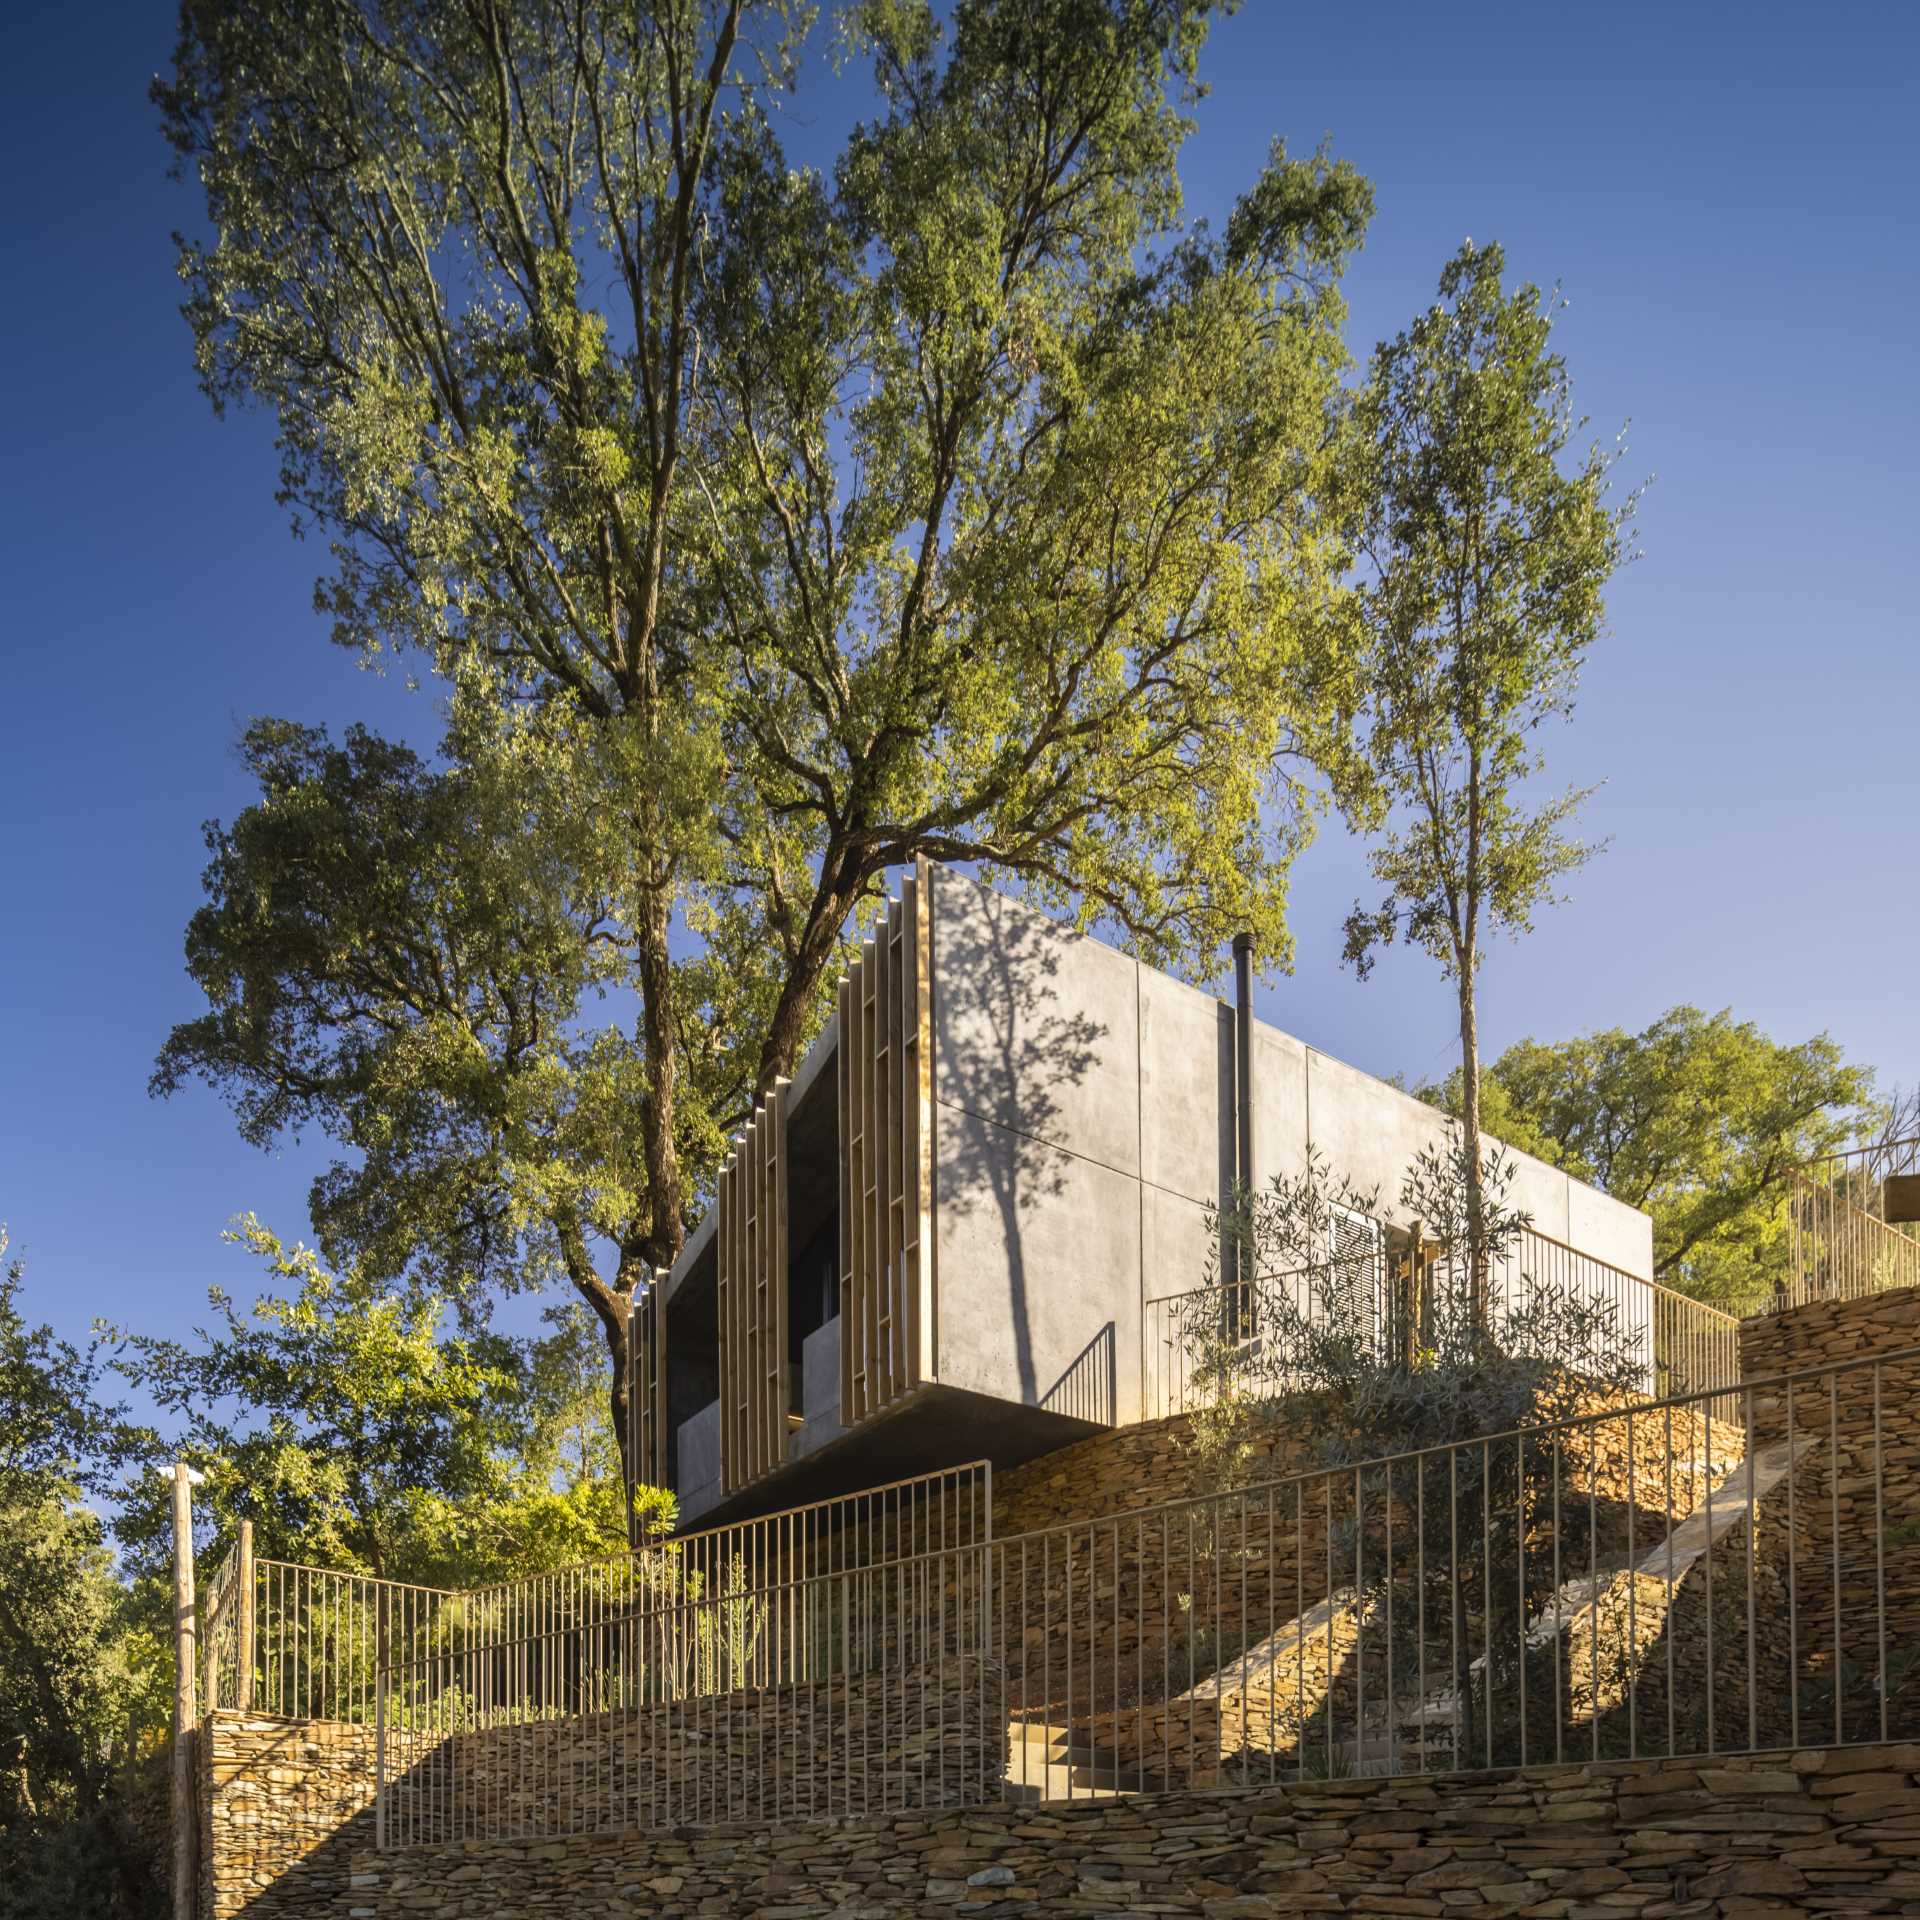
x,y
1083,1124
699,1457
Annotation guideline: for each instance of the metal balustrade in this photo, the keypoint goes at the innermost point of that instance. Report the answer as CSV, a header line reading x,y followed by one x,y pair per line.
x,y
1188,1338
1841,1245
1711,1573
303,1643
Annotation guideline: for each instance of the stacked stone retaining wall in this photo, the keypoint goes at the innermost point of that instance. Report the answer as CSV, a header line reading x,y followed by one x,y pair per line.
x,y
283,1806
1733,1839
1855,1515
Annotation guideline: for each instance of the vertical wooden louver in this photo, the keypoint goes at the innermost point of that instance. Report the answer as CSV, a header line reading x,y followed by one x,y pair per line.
x,y
647,1386
751,1243
886,1160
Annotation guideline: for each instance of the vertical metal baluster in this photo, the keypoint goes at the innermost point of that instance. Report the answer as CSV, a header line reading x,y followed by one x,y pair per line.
x,y
1833,1490
1712,1727
1392,1734
1880,1550
1593,1588
1420,1593
1633,1591
1166,1645
1520,1511
1753,1528
1559,1626
1453,1606
1793,1569
1246,1620
1327,1482
1672,1721
1273,1651
1300,1625
1359,1625
1486,1588
1026,1667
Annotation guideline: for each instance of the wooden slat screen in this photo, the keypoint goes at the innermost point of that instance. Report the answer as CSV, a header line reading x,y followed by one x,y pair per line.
x,y
886,1160
647,1384
751,1243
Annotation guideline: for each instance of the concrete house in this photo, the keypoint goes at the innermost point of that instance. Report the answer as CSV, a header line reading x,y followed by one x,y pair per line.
x,y
951,1235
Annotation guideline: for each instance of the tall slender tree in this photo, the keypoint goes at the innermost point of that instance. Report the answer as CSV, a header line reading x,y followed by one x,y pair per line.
x,y
963,502
1487,546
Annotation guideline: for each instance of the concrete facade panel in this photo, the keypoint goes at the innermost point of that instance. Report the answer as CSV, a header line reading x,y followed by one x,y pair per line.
x,y
1186,1083
1609,1229
1039,1272
699,1451
1035,1027
819,1399
1365,1129
1279,1103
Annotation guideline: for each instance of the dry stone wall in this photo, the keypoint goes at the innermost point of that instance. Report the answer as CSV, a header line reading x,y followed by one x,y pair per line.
x,y
1733,1839
914,1737
1854,1518
283,1805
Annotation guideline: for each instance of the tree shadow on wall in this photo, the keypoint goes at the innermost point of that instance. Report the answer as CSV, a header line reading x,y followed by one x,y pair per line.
x,y
1027,1048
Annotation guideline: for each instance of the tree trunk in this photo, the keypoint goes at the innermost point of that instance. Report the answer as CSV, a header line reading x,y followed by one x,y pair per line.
x,y
665,1231
1470,1151
781,1047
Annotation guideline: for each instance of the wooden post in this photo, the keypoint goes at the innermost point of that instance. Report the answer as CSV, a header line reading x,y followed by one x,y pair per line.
x,y
1422,1292
186,1836
243,1681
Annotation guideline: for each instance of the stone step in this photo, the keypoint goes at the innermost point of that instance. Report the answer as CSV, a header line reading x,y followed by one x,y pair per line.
x,y
1043,1763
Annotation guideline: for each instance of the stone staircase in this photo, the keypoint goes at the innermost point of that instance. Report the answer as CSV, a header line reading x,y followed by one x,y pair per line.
x,y
1418,1728
1045,1763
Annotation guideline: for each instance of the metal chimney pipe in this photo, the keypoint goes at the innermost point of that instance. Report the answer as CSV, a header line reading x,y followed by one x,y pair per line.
x,y
1243,1059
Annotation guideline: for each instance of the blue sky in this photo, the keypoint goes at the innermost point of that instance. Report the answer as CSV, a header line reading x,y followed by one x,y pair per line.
x,y
1725,193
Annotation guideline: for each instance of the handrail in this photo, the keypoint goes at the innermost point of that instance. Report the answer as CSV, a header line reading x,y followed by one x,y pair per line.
x,y
1540,1434
1532,1595
1638,1279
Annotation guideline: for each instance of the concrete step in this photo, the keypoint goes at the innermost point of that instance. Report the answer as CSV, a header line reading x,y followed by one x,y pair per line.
x,y
1043,1763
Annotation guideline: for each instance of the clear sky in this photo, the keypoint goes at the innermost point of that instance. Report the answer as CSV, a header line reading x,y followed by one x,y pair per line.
x,y
1727,194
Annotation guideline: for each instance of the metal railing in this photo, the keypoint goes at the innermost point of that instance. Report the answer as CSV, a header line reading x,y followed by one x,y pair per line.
x,y
815,1696
1840,1243
1711,1573
1686,1345
1197,1340
304,1643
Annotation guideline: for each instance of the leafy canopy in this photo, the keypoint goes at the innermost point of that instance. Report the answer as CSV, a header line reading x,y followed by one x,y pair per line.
x,y
770,528
1694,1119
355,1433
1486,556
78,1668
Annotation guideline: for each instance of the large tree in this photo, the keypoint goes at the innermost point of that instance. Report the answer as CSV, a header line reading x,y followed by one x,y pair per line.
x,y
1487,548
962,502
1695,1119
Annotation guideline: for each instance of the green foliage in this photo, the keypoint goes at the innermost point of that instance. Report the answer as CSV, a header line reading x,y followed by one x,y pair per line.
x,y
1302,1342
82,1684
414,959
1486,560
341,1418
1694,1119
1454,1547
772,528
